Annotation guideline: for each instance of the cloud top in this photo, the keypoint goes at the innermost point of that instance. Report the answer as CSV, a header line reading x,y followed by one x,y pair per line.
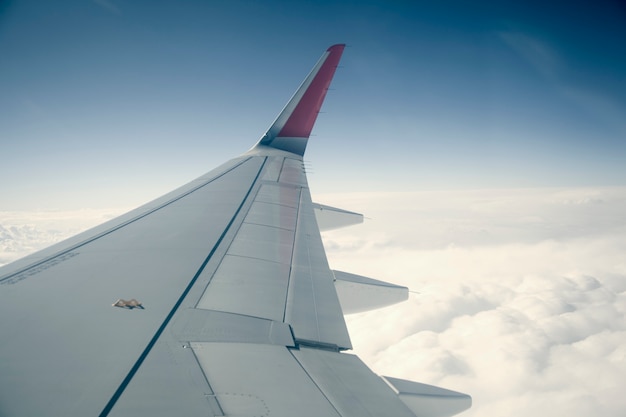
x,y
522,295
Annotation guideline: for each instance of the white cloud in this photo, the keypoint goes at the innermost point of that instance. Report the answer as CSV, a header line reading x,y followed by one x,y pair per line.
x,y
522,295
24,232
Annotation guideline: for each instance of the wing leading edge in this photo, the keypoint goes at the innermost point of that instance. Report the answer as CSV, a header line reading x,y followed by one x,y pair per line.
x,y
240,314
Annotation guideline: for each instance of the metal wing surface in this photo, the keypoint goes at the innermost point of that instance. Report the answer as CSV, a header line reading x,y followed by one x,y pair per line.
x,y
215,299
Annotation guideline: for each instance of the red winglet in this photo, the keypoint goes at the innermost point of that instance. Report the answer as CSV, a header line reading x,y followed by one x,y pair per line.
x,y
302,119
292,128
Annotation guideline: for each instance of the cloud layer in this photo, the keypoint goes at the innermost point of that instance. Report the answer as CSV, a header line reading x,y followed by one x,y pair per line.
x,y
522,295
24,232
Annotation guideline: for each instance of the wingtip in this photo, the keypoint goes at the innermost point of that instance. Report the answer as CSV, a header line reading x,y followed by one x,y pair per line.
x,y
336,46
292,128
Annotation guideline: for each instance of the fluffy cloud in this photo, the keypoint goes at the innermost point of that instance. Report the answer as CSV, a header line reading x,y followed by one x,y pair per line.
x,y
522,295
22,232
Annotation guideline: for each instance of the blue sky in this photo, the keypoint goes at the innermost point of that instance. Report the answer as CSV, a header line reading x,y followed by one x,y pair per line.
x,y
111,102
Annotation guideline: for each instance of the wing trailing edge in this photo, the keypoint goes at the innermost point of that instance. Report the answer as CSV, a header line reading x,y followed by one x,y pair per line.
x,y
291,129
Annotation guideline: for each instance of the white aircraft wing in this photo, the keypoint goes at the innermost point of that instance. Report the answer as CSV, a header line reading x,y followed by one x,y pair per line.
x,y
213,300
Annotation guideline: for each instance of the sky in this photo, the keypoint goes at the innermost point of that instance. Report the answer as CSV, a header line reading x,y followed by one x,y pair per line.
x,y
485,143
112,102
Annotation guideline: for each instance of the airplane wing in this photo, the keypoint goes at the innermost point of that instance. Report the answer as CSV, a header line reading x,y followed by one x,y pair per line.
x,y
213,300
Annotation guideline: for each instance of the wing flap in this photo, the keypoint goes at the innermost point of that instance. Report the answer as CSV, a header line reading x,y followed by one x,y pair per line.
x,y
250,286
351,387
260,380
199,325
253,277
312,305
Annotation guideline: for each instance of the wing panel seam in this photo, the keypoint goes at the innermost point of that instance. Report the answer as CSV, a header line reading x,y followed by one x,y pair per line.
x,y
212,392
120,390
313,381
273,227
250,257
293,252
282,165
